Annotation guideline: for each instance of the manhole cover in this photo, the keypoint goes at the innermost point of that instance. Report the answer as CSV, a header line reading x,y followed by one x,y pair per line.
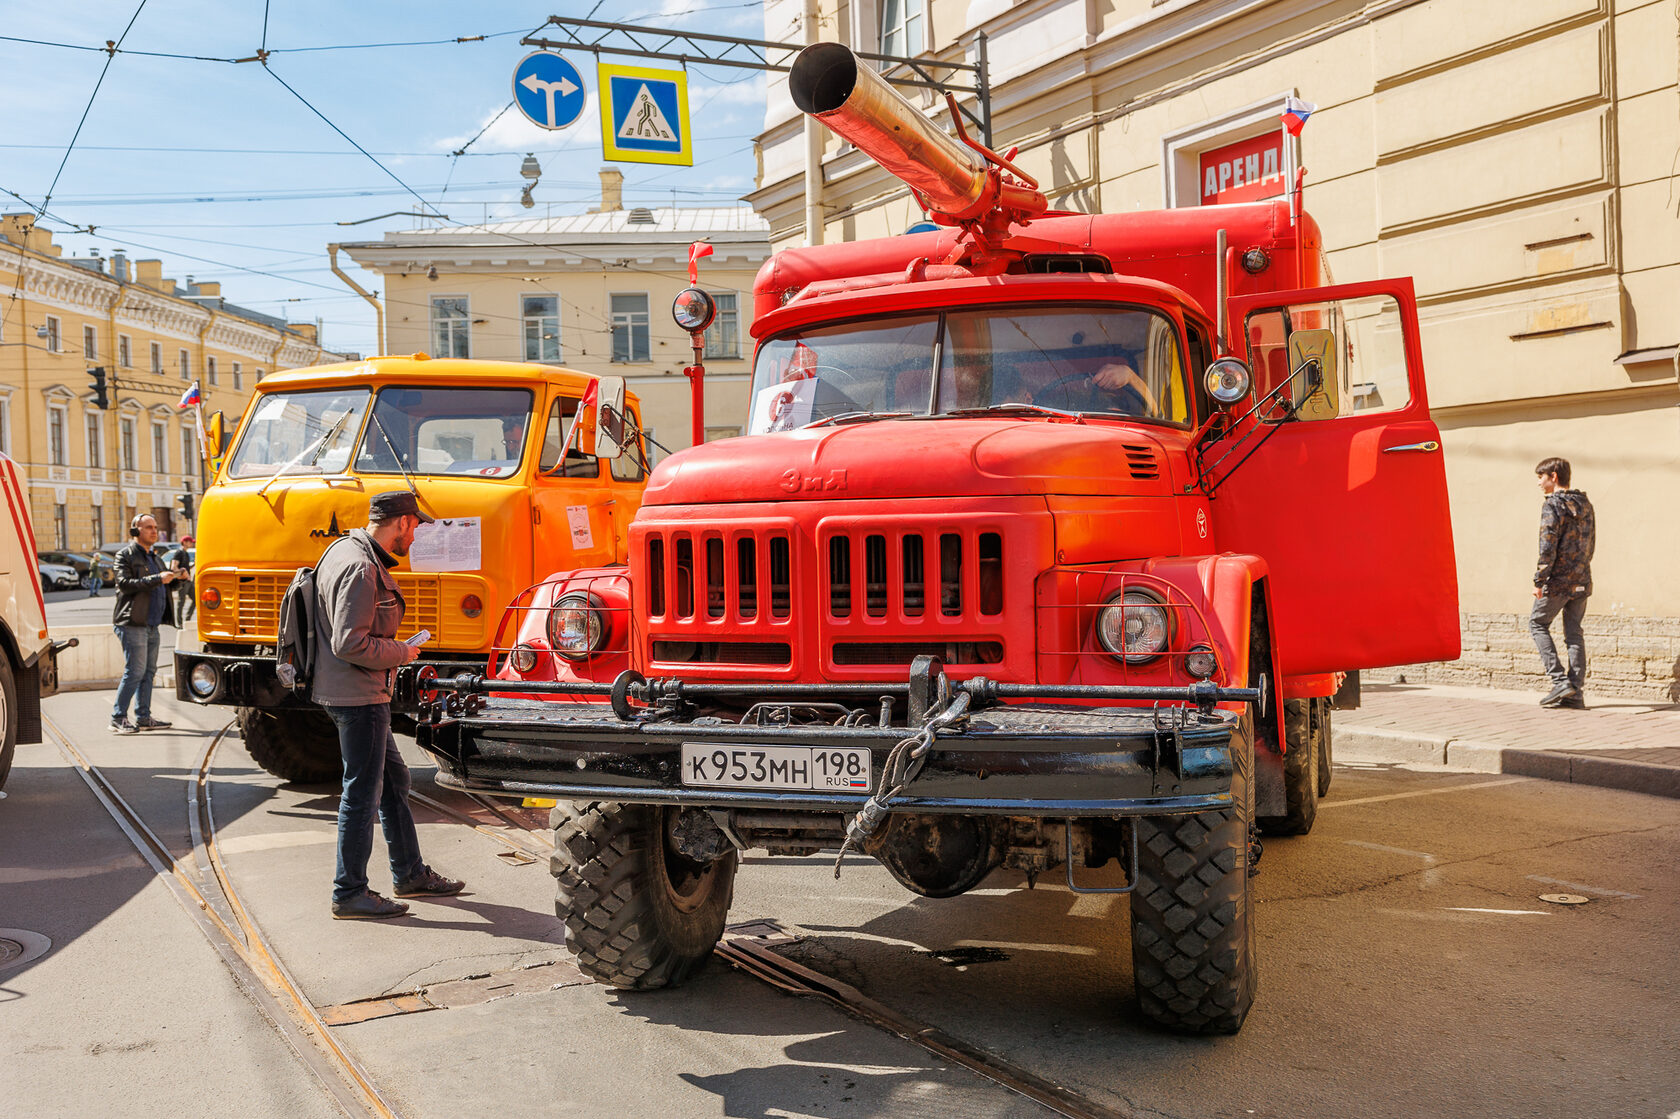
x,y
1564,899
19,946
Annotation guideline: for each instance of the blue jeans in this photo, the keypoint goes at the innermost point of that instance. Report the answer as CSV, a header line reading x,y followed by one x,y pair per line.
x,y
374,775
1573,609
140,654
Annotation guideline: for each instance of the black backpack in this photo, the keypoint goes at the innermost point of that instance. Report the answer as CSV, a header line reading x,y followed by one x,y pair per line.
x,y
294,641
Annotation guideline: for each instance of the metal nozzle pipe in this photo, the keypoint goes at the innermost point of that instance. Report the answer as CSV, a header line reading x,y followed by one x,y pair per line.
x,y
832,84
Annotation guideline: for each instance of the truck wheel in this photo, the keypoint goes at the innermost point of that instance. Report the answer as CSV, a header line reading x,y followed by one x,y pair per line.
x,y
1300,772
638,914
1192,910
294,744
8,718
1321,727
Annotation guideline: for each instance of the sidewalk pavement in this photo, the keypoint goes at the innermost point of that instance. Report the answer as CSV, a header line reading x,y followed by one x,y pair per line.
x,y
1616,743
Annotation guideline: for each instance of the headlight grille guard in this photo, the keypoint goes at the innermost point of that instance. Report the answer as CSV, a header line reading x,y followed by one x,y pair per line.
x,y
1072,631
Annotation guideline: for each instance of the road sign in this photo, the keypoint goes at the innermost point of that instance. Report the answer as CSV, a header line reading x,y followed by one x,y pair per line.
x,y
644,115
548,89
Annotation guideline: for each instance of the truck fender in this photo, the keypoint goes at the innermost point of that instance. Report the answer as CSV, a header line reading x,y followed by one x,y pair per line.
x,y
526,620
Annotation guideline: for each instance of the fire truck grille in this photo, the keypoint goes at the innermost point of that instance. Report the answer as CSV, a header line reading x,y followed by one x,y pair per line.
x,y
967,580
1141,461
729,575
257,604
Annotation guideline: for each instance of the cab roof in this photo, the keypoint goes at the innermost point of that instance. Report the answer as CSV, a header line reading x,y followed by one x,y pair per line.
x,y
412,368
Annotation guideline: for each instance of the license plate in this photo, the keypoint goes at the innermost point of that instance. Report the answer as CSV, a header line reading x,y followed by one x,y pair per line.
x,y
832,769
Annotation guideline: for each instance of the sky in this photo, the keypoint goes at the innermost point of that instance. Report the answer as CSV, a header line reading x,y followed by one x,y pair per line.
x,y
227,176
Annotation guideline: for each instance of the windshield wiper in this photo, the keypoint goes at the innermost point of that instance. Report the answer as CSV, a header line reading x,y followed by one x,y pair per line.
x,y
314,451
1017,408
856,418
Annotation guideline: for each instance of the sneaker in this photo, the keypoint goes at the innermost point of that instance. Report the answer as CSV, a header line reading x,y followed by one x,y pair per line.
x,y
121,725
429,883
1558,694
146,722
1576,702
368,906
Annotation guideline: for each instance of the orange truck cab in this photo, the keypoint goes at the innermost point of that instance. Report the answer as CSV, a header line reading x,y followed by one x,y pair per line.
x,y
491,451
1047,545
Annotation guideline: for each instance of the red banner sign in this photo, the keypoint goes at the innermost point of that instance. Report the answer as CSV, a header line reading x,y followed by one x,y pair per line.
x,y
1245,171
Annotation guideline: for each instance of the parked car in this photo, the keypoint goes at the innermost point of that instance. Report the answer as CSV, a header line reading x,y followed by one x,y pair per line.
x,y
58,576
83,562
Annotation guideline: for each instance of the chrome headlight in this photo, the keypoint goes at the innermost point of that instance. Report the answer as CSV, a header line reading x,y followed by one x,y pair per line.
x,y
202,680
575,627
1134,626
1228,380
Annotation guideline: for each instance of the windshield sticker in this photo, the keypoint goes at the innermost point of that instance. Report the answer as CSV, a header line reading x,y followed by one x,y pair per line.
x,y
785,406
447,544
578,517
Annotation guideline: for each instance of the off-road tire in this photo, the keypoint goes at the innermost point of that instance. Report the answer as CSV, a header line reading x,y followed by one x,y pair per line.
x,y
637,913
10,718
294,744
1321,727
1193,963
1301,775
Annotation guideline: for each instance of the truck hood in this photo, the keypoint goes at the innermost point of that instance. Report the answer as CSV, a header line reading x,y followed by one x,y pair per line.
x,y
918,458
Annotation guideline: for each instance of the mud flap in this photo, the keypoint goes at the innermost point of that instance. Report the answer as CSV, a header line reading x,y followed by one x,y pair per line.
x,y
1269,796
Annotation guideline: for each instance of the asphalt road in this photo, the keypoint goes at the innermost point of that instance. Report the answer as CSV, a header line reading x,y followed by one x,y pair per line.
x,y
1408,967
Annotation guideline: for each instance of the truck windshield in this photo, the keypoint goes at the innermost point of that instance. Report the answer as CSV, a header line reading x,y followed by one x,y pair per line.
x,y
308,432
474,431
1103,360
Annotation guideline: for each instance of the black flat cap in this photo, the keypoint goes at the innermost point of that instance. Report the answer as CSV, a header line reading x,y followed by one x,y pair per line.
x,y
391,504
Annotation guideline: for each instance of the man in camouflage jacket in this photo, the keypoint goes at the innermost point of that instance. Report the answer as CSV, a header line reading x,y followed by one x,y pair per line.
x,y
1562,581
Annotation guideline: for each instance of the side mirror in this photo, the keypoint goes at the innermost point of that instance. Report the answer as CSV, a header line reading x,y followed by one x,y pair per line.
x,y
215,437
1312,365
600,430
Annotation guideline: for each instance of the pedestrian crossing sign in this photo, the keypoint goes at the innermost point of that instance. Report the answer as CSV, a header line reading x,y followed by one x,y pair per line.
x,y
644,115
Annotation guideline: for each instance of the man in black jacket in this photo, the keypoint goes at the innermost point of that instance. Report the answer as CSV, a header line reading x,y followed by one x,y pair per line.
x,y
142,606
1562,581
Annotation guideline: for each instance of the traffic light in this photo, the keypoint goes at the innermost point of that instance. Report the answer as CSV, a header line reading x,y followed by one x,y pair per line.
x,y
185,502
99,386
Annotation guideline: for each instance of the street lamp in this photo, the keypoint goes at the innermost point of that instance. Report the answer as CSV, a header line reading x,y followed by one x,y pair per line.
x,y
531,170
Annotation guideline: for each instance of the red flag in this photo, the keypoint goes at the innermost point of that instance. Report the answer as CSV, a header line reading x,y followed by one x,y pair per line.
x,y
695,251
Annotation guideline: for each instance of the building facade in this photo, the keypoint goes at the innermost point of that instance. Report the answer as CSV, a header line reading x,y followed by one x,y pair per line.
x,y
1515,158
92,469
591,292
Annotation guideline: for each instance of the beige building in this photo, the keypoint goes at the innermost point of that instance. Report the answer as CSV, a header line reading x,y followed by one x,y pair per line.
x,y
1515,157
591,292
91,469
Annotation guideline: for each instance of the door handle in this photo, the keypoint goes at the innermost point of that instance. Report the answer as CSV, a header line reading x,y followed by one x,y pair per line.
x,y
1424,447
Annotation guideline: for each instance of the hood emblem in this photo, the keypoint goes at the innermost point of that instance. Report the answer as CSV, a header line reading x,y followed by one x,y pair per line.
x,y
329,532
794,482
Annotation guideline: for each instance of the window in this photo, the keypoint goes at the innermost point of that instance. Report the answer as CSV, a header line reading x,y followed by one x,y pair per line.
x,y
210,369
578,464
541,316
901,27
723,337
1359,342
630,327
186,366
125,442
300,433
157,359
61,528
189,449
125,352
95,441
5,425
98,525
259,374
90,343
53,337
470,431
238,378
56,423
160,447
450,327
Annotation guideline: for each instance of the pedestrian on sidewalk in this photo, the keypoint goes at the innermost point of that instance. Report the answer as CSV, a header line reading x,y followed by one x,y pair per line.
x,y
96,578
143,604
185,604
1562,581
357,613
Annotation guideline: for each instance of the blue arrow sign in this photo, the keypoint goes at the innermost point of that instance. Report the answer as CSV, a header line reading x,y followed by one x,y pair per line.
x,y
548,89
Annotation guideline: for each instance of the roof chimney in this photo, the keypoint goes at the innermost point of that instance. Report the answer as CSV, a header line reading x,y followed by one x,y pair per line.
x,y
150,274
119,267
612,190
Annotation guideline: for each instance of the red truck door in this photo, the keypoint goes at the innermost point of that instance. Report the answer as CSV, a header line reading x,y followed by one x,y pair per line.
x,y
1347,498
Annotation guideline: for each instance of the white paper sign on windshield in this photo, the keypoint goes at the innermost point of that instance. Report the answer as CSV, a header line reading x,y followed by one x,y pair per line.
x,y
447,544
785,406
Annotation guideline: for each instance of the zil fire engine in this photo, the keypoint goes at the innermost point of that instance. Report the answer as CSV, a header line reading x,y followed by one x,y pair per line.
x,y
1047,543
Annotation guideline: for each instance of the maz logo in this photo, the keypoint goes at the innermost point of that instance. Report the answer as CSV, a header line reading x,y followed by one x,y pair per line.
x,y
329,532
795,482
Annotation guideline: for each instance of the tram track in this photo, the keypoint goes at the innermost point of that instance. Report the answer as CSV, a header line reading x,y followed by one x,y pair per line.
x,y
201,883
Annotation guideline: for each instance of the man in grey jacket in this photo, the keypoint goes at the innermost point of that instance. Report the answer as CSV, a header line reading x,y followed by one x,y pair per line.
x,y
356,650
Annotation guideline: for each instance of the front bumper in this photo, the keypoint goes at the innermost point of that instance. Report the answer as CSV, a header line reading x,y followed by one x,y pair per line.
x,y
248,680
1046,760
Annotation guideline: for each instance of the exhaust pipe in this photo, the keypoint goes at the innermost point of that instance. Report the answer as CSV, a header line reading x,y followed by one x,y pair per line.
x,y
833,85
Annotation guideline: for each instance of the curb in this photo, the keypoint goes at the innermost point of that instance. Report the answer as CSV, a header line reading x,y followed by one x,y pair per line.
x,y
1377,744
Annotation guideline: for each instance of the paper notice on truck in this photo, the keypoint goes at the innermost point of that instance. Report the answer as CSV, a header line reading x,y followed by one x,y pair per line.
x,y
447,544
783,407
577,516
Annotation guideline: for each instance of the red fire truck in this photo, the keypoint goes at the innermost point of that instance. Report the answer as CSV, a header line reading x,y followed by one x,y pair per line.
x,y
1050,539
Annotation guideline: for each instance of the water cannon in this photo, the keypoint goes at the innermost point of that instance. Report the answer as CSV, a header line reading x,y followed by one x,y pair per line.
x,y
958,180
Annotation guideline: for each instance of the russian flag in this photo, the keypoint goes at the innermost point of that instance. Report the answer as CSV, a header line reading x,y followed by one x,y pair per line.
x,y
192,398
1295,114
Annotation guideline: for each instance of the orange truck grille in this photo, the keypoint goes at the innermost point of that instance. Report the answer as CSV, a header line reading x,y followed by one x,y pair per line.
x,y
250,607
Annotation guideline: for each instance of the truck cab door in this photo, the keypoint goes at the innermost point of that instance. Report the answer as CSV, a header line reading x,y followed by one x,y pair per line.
x,y
571,503
1345,491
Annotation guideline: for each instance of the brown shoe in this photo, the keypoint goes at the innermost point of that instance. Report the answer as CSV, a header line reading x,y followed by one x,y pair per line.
x,y
368,906
429,883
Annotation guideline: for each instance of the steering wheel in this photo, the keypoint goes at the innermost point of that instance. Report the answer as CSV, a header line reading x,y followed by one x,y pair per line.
x,y
832,395
1127,397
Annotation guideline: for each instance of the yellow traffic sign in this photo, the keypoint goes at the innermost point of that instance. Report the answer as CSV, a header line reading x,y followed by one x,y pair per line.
x,y
644,115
